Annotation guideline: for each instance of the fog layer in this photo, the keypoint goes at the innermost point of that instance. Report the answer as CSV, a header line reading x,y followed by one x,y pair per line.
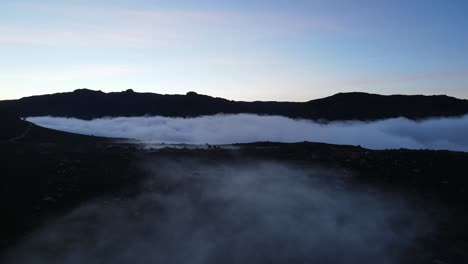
x,y
445,133
226,213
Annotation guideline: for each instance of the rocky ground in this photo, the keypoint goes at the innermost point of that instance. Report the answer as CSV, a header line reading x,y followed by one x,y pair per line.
x,y
42,180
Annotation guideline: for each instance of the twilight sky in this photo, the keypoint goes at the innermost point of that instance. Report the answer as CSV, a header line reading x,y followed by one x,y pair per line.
x,y
293,50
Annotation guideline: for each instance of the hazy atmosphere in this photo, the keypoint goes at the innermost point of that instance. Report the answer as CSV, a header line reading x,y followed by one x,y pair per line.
x,y
232,213
437,133
234,131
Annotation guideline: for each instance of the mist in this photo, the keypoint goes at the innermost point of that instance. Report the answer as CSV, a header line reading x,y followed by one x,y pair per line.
x,y
441,133
190,211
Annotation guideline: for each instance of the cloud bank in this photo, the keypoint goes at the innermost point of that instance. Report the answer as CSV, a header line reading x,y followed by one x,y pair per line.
x,y
445,133
199,212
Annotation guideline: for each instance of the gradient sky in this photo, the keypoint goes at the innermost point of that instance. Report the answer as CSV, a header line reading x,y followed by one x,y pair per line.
x,y
238,49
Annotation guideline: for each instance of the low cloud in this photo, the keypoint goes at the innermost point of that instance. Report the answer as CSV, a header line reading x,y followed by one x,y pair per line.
x,y
199,212
444,133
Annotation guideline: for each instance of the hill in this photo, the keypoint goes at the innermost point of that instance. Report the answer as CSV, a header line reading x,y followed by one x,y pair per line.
x,y
13,129
89,104
44,171
12,126
363,106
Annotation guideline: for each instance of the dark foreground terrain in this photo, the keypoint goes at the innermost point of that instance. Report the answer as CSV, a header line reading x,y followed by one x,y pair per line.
x,y
62,194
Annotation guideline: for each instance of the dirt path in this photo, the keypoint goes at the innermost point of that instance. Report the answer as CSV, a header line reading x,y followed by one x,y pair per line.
x,y
23,135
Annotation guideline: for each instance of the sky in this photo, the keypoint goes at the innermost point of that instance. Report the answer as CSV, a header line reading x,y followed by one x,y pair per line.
x,y
242,50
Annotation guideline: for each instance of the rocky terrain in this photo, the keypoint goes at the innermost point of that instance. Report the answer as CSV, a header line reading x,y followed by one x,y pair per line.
x,y
46,174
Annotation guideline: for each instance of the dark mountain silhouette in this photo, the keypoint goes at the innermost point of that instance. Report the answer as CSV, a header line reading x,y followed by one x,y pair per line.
x,y
13,129
364,106
12,126
88,104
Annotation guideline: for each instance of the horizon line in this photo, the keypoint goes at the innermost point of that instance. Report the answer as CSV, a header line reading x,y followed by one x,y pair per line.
x,y
132,90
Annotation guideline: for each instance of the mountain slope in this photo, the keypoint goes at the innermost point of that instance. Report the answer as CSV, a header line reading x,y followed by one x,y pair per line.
x,y
363,106
88,104
12,126
13,129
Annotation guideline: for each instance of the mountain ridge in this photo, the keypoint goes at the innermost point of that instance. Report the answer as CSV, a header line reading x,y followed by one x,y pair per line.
x,y
90,104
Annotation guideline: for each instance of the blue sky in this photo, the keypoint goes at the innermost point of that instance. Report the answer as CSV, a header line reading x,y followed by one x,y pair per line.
x,y
244,49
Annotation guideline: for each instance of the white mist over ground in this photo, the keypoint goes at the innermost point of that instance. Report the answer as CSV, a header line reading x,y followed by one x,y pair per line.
x,y
441,133
260,212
